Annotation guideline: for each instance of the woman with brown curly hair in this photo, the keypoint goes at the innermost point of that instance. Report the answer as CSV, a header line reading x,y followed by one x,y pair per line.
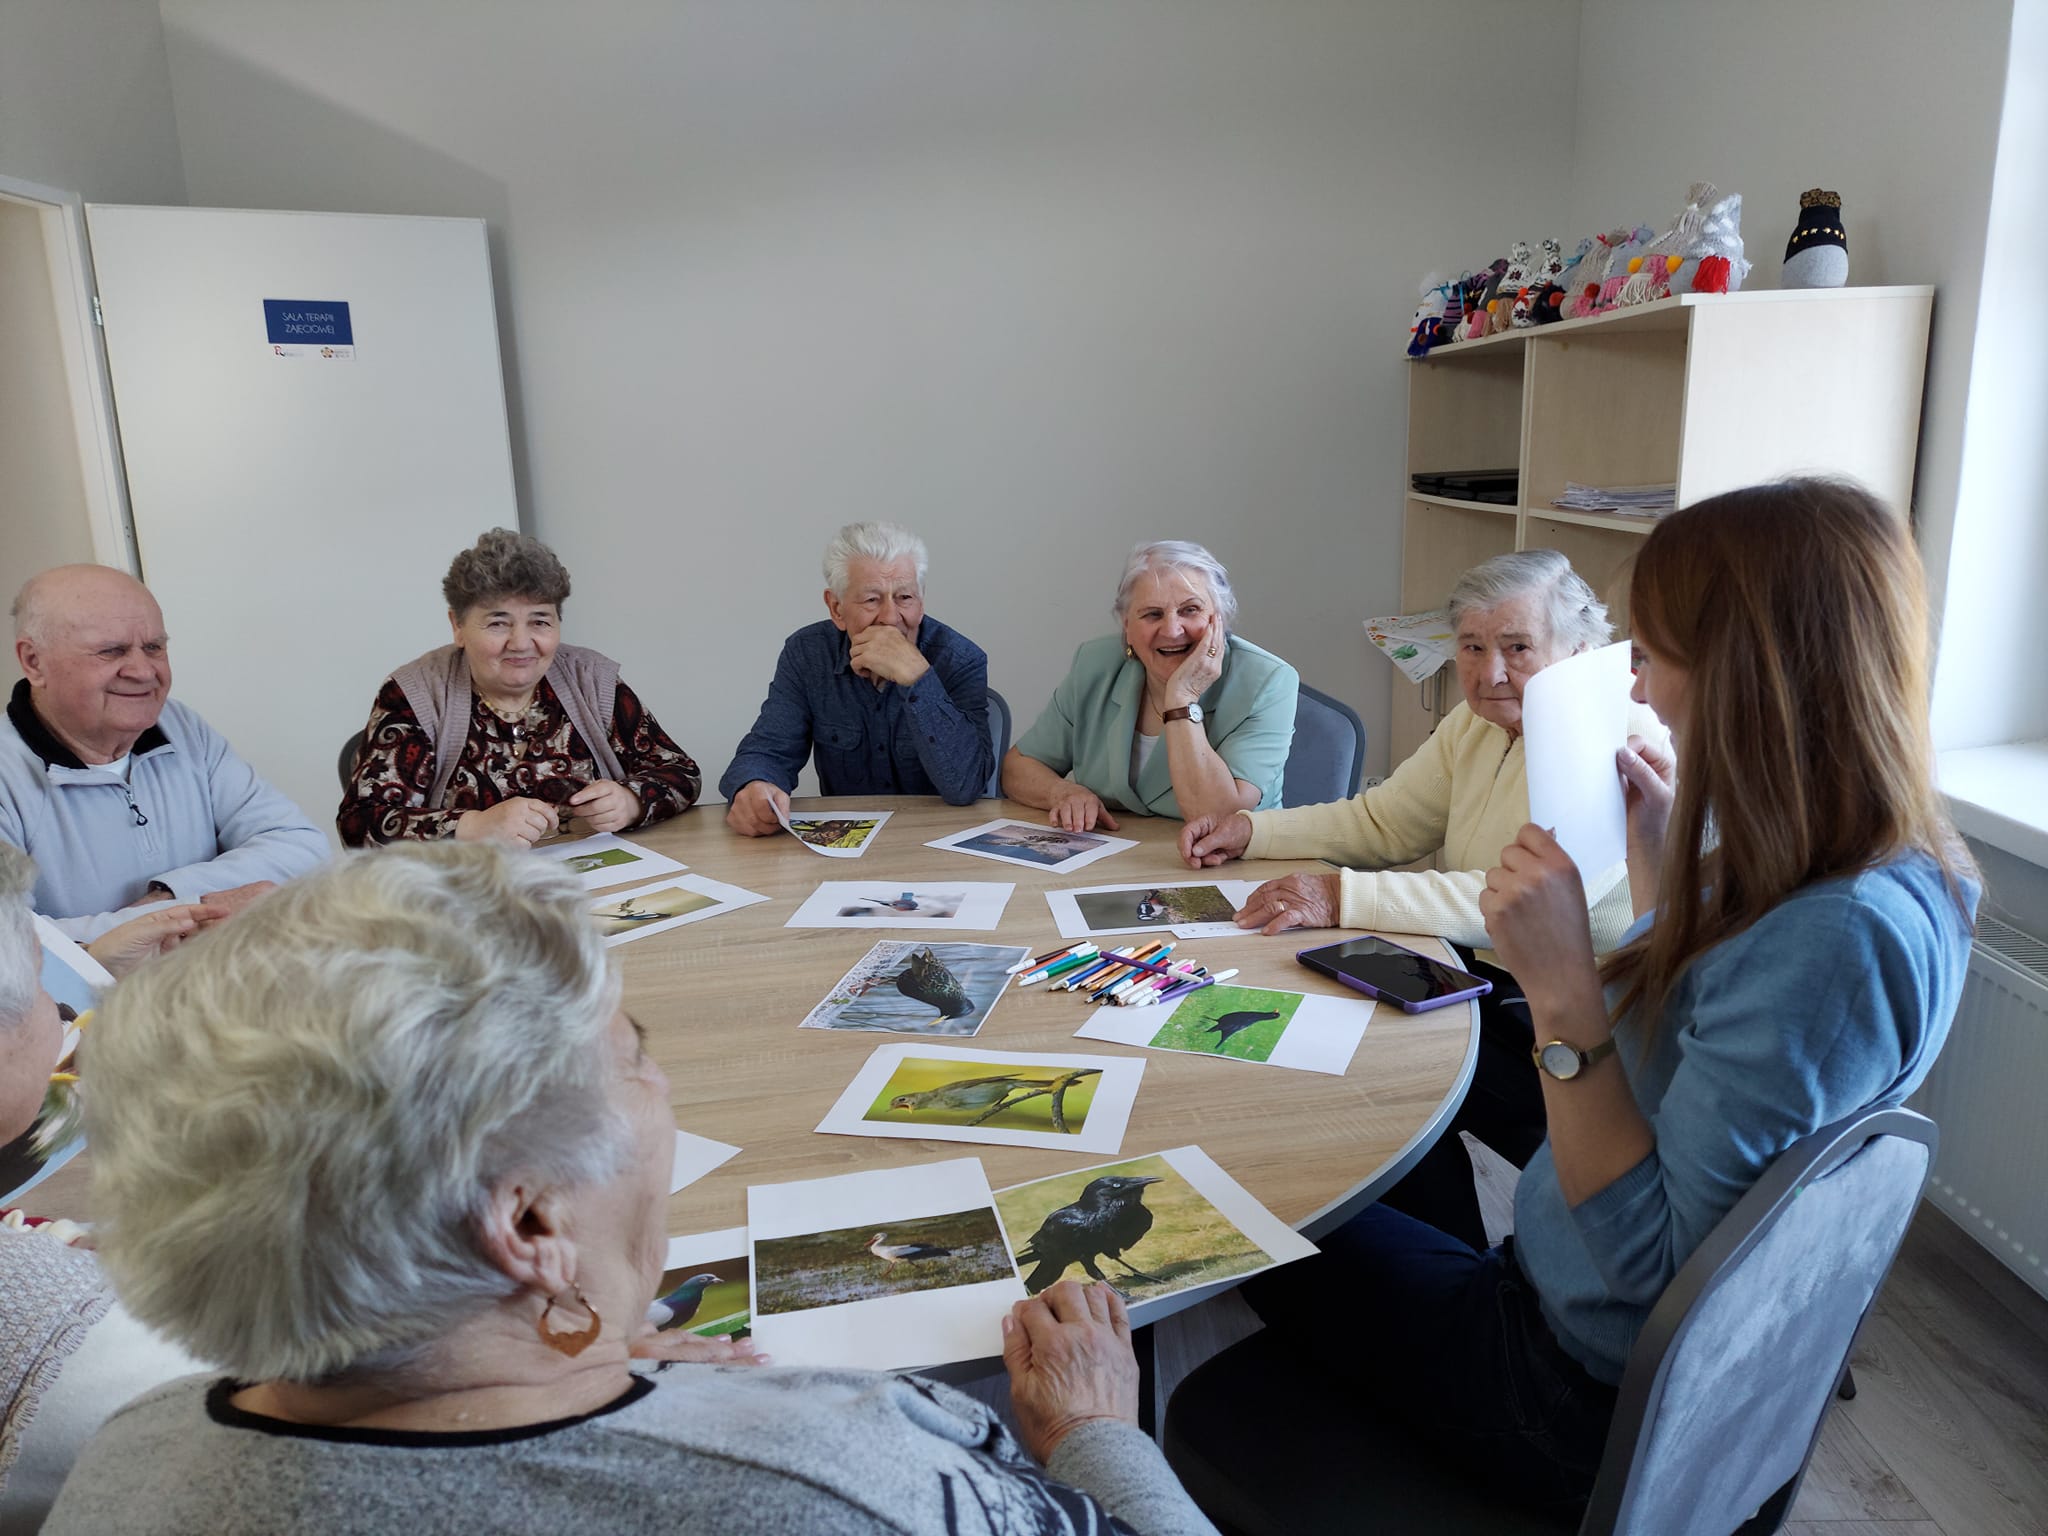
x,y
507,734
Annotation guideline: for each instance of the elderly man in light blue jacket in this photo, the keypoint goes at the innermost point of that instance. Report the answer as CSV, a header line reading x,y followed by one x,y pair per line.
x,y
125,799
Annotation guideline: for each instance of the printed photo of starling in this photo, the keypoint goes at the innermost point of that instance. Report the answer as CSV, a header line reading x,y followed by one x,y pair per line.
x,y
919,989
884,1258
1166,906
1140,1227
844,832
706,1297
1244,1022
953,1092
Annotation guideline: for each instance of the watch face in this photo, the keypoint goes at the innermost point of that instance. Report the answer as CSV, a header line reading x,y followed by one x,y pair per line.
x,y
1195,713
1560,1060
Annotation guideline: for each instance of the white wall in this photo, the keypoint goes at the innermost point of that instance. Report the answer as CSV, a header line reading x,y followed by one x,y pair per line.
x,y
1040,279
85,100
1893,103
43,519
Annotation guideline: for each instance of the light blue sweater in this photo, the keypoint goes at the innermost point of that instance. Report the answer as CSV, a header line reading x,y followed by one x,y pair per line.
x,y
191,815
1839,998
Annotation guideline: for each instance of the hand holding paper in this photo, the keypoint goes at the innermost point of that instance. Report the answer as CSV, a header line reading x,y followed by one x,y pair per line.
x,y
1574,723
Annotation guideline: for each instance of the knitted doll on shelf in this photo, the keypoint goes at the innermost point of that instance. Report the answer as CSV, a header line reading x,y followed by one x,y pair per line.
x,y
1476,313
1543,272
1650,273
1590,271
1817,255
1713,262
1501,301
1427,327
1618,267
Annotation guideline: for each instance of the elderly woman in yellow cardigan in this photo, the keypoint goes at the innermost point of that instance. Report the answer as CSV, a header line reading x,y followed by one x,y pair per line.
x,y
1464,794
1174,716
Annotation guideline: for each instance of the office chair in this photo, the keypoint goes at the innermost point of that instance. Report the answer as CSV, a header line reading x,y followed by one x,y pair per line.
x,y
1327,759
999,738
1719,1409
347,766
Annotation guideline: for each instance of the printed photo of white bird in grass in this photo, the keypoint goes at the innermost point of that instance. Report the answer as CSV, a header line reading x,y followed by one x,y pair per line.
x,y
1241,1022
883,1258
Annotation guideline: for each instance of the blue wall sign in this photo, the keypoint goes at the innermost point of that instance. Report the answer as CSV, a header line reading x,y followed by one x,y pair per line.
x,y
298,327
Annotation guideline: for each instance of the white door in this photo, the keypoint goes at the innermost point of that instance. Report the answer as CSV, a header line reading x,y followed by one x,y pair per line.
x,y
297,501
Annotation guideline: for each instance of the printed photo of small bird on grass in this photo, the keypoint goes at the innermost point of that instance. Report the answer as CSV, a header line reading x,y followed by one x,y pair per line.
x,y
1138,1227
924,1091
709,1299
1166,906
1243,1022
885,1258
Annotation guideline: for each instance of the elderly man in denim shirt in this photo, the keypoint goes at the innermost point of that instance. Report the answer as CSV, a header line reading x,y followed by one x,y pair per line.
x,y
891,700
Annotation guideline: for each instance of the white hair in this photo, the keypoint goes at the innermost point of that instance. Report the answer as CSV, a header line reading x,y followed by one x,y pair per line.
x,y
21,954
297,1120
1576,619
884,543
1190,560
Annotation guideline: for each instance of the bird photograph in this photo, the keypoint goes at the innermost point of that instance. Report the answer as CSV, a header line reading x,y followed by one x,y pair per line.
x,y
1138,1227
1166,906
626,913
711,1302
1244,1023
883,1258
1033,1099
1044,846
906,904
835,832
919,989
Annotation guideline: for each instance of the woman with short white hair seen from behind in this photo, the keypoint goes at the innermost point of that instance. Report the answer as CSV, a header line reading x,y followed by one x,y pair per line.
x,y
388,1152
1461,795
1175,715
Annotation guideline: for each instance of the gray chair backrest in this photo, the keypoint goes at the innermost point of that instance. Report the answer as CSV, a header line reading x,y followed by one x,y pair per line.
x,y
349,749
1327,759
999,738
1724,1394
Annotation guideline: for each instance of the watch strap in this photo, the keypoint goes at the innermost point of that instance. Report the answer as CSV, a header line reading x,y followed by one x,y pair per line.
x,y
1185,712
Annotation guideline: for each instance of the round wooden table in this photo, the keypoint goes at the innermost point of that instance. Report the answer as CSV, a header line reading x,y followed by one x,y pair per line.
x,y
721,999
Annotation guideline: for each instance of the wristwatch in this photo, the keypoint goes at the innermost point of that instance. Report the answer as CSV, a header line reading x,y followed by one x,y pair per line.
x,y
1565,1062
1192,713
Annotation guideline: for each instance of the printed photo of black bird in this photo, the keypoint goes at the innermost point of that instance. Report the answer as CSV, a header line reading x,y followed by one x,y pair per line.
x,y
1138,1227
882,1258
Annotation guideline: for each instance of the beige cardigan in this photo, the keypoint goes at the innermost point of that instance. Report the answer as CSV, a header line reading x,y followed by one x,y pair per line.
x,y
1465,791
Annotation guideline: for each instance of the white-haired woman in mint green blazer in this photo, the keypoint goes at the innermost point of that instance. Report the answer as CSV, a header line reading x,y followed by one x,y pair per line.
x,y
1176,716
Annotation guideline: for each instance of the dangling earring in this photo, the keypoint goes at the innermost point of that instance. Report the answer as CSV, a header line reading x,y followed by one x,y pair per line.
x,y
1128,652
563,1340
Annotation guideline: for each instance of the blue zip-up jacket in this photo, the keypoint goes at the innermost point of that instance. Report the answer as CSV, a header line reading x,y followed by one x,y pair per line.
x,y
191,815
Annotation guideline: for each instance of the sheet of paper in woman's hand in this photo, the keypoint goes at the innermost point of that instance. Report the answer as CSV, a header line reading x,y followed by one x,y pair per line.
x,y
1574,721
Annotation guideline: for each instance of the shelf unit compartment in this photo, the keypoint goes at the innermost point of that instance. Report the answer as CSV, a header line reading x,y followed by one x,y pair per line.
x,y
1605,408
1602,555
1465,413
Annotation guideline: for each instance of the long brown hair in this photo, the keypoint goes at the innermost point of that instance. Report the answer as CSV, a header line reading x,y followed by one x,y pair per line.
x,y
1800,612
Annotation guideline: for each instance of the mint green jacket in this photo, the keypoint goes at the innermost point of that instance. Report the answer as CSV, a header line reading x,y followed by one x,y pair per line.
x,y
1248,714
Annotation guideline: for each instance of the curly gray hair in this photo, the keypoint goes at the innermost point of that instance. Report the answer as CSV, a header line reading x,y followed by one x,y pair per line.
x,y
504,564
884,543
1189,560
21,955
1576,618
298,1121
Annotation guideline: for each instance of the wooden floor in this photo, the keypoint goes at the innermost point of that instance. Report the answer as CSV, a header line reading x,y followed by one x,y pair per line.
x,y
1948,1432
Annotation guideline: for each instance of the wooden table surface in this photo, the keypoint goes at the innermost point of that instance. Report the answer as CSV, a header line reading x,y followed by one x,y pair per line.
x,y
721,998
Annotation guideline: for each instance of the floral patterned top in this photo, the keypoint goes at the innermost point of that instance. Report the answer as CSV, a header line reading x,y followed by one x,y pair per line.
x,y
539,755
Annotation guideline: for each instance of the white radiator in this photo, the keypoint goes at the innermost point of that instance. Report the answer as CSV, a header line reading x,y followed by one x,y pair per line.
x,y
1985,1093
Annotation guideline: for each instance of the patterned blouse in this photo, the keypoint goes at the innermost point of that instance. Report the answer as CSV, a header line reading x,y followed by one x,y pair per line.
x,y
539,755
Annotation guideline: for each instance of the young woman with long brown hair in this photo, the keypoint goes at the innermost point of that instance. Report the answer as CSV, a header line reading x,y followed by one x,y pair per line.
x,y
1804,911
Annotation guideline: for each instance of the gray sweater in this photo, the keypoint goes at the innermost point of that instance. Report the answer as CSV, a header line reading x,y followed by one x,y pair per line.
x,y
693,1449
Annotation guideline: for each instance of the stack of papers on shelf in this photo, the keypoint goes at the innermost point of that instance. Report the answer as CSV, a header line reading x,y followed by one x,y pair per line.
x,y
1417,643
1629,500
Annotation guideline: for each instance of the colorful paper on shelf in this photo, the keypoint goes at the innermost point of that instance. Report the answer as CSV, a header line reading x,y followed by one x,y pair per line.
x,y
1416,643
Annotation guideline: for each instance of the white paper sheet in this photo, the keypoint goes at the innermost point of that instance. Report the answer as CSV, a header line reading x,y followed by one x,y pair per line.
x,y
826,831
74,980
666,904
1574,721
1260,1241
607,860
879,1331
696,1156
965,906
1318,1034
1033,844
1143,908
1095,1108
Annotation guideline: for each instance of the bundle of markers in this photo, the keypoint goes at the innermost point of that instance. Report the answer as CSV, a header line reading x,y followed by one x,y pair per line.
x,y
1132,977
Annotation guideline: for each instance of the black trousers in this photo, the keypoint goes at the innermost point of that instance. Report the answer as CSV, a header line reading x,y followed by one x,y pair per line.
x,y
1503,1107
